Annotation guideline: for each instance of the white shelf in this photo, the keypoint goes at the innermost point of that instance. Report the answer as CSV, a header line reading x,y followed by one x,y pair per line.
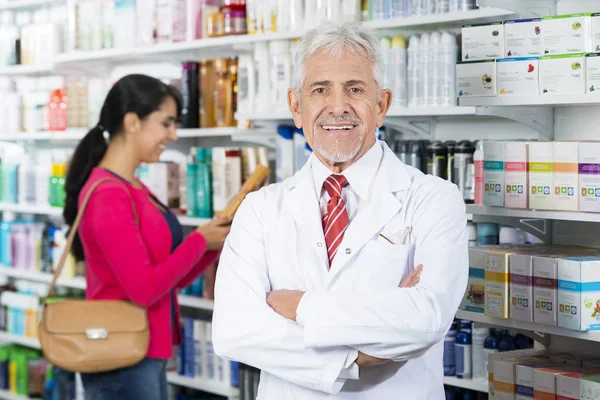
x,y
20,340
592,336
31,209
196,302
16,70
547,100
14,4
453,19
35,276
478,385
6,395
205,385
189,221
70,134
532,214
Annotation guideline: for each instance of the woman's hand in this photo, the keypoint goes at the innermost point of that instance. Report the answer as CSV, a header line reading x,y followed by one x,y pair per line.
x,y
215,232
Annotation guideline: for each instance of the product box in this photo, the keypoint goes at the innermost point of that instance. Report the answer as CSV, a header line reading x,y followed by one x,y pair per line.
x,y
515,174
544,289
474,298
589,387
521,355
567,34
518,76
521,287
493,173
562,74
566,178
596,32
482,41
540,175
163,181
589,176
579,293
544,381
592,73
523,37
524,377
476,79
567,384
497,269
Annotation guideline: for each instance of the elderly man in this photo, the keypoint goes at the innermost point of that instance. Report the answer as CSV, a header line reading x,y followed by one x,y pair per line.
x,y
309,284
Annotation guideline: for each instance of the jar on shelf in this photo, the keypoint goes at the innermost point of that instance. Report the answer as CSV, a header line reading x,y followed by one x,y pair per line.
x,y
215,25
237,4
234,22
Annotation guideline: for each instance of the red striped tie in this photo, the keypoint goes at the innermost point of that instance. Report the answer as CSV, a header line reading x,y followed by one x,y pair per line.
x,y
335,219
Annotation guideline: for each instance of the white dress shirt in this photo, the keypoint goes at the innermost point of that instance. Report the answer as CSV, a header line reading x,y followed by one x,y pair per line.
x,y
356,195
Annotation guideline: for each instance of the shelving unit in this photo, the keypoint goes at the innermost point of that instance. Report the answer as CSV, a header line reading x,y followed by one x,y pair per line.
x,y
540,100
204,385
44,277
533,214
31,209
6,395
470,384
197,303
17,4
15,70
33,343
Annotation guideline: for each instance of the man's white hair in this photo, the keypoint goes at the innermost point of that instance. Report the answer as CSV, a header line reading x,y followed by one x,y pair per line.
x,y
334,38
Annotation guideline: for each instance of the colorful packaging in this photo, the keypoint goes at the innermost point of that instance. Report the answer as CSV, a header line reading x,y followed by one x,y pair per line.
x,y
482,41
493,173
567,34
474,298
496,283
521,287
589,176
562,74
540,175
592,72
515,174
544,381
544,289
566,178
589,387
579,293
476,79
518,76
523,37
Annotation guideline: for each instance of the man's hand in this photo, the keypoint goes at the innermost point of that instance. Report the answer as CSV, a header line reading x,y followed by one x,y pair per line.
x,y
365,361
285,302
413,278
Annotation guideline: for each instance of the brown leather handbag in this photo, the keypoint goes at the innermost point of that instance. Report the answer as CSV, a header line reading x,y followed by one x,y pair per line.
x,y
92,335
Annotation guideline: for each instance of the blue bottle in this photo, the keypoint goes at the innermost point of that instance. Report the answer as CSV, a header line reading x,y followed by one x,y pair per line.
x,y
449,352
507,342
464,351
6,239
487,234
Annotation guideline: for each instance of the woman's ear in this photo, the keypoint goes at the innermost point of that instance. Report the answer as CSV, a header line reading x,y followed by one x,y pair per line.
x,y
131,123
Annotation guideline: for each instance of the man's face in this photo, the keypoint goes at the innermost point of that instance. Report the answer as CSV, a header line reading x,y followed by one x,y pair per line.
x,y
338,109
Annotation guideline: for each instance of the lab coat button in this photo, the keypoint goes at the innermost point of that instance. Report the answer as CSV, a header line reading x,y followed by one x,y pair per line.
x,y
348,251
319,244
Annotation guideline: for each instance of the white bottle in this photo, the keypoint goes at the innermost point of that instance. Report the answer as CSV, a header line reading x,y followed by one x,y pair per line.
x,y
414,47
296,15
263,81
379,7
425,78
399,61
479,356
283,15
310,14
442,6
388,69
334,10
281,70
321,12
246,85
448,55
433,66
350,10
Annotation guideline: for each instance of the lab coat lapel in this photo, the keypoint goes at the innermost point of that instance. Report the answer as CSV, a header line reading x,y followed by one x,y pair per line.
x,y
302,204
383,205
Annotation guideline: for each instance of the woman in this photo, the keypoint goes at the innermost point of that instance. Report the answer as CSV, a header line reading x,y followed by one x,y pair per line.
x,y
132,244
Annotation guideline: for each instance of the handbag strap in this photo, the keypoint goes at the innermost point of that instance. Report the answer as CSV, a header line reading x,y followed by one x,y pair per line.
x,y
75,227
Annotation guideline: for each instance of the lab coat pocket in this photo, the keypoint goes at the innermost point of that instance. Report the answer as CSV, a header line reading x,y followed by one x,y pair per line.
x,y
386,264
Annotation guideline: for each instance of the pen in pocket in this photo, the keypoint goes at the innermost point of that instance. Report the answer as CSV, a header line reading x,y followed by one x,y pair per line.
x,y
386,238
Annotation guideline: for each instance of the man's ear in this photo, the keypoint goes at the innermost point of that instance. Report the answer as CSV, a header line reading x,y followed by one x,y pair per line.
x,y
294,105
383,105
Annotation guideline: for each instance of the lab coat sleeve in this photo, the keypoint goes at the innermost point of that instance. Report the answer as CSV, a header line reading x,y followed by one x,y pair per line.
x,y
402,323
247,330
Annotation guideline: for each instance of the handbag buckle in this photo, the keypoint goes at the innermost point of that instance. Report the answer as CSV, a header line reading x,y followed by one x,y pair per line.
x,y
96,334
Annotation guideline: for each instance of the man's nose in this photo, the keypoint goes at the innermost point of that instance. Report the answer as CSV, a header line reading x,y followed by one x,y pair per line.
x,y
339,102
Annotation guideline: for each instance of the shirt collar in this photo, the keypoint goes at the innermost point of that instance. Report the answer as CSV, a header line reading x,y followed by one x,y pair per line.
x,y
359,175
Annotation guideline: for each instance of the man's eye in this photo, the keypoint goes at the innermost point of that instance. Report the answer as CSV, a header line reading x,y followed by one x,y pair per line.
x,y
319,90
355,90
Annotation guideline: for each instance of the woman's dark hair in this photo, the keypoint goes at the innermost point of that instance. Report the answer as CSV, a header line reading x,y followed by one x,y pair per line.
x,y
139,94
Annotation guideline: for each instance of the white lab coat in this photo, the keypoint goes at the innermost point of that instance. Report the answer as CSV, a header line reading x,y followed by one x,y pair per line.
x,y
276,242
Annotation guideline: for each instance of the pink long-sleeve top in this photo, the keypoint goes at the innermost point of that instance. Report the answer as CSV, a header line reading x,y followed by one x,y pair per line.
x,y
133,261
